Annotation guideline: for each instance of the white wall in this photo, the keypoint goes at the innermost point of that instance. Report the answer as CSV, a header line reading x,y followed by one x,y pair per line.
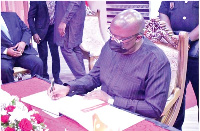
x,y
154,7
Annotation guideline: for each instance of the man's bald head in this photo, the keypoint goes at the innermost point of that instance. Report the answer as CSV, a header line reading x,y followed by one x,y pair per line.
x,y
129,20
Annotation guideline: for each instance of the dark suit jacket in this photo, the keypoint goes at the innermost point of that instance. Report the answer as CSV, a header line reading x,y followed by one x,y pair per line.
x,y
18,32
38,18
73,14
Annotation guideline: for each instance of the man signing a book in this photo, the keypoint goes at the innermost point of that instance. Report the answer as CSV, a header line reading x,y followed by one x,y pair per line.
x,y
134,74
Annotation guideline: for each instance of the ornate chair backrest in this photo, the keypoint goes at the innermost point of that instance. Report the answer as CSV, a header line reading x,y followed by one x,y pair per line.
x,y
176,50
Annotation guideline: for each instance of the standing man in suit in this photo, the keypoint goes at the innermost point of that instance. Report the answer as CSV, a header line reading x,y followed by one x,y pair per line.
x,y
69,23
41,22
15,47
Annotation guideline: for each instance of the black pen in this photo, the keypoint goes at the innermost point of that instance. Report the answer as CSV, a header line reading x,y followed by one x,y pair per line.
x,y
52,85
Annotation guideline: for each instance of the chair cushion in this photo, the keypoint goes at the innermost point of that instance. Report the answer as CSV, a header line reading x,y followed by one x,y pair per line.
x,y
92,39
172,56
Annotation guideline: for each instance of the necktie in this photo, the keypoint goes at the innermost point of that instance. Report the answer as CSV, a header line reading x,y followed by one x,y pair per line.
x,y
51,10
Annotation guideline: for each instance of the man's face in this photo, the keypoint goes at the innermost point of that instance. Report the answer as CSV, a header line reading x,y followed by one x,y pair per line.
x,y
125,37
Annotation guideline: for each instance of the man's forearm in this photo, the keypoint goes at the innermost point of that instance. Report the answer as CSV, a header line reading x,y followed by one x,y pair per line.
x,y
194,34
138,106
26,33
84,84
165,18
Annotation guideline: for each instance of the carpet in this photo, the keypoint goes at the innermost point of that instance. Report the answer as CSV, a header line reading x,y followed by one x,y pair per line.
x,y
190,97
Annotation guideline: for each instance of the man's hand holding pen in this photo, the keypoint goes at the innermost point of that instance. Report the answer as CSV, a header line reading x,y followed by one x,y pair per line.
x,y
57,91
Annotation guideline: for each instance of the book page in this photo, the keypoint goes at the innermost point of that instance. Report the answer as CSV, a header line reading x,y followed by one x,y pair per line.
x,y
116,119
43,101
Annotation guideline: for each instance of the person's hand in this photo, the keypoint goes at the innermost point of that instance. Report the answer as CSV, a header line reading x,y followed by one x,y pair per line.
x,y
12,51
20,46
98,94
58,92
61,29
36,38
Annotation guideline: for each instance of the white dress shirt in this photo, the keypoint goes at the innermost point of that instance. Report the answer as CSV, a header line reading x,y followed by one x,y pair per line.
x,y
4,28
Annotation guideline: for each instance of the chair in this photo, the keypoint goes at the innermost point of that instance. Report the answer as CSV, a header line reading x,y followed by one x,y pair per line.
x,y
176,50
92,39
19,72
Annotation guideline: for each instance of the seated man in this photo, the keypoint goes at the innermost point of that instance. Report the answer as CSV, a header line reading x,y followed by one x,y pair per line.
x,y
134,74
15,47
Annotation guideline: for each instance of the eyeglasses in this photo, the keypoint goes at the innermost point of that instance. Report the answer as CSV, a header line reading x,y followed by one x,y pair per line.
x,y
122,40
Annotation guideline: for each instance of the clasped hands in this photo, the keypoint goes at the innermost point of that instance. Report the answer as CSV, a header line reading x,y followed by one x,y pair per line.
x,y
17,50
60,91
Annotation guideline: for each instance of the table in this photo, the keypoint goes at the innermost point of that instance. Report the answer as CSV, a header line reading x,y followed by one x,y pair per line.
x,y
37,84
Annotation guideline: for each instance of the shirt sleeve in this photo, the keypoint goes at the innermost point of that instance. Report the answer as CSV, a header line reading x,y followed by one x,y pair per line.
x,y
164,7
26,33
157,87
71,10
86,83
5,51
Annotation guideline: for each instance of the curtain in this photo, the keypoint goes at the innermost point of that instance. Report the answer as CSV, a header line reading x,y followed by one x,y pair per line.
x,y
20,7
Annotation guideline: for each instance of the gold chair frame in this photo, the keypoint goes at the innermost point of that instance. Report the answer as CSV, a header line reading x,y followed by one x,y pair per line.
x,y
156,31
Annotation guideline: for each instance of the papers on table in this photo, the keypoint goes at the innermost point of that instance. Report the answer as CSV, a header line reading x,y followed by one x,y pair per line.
x,y
82,110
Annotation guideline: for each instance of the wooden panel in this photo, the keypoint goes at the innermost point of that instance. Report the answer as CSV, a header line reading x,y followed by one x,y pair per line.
x,y
115,7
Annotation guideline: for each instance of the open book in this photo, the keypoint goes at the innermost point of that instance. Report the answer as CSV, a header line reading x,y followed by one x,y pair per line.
x,y
82,110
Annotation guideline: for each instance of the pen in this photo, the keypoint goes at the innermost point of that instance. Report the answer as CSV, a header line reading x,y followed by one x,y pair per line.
x,y
52,85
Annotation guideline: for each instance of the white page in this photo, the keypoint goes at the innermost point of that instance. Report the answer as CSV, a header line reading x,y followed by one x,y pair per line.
x,y
116,119
43,101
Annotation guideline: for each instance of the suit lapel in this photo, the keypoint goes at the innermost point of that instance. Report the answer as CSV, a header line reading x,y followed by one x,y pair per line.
x,y
4,36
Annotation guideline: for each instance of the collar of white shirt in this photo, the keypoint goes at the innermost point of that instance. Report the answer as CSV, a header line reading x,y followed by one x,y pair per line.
x,y
4,27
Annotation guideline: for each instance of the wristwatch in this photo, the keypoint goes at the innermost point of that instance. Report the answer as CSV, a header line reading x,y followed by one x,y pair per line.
x,y
111,101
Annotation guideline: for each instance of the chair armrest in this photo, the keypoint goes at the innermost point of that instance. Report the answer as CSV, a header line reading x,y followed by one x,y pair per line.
x,y
175,95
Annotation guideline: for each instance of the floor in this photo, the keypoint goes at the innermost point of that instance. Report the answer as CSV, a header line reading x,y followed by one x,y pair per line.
x,y
191,118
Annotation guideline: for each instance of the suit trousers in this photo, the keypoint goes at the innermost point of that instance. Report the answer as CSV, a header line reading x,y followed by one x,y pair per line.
x,y
43,54
74,59
31,62
193,77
